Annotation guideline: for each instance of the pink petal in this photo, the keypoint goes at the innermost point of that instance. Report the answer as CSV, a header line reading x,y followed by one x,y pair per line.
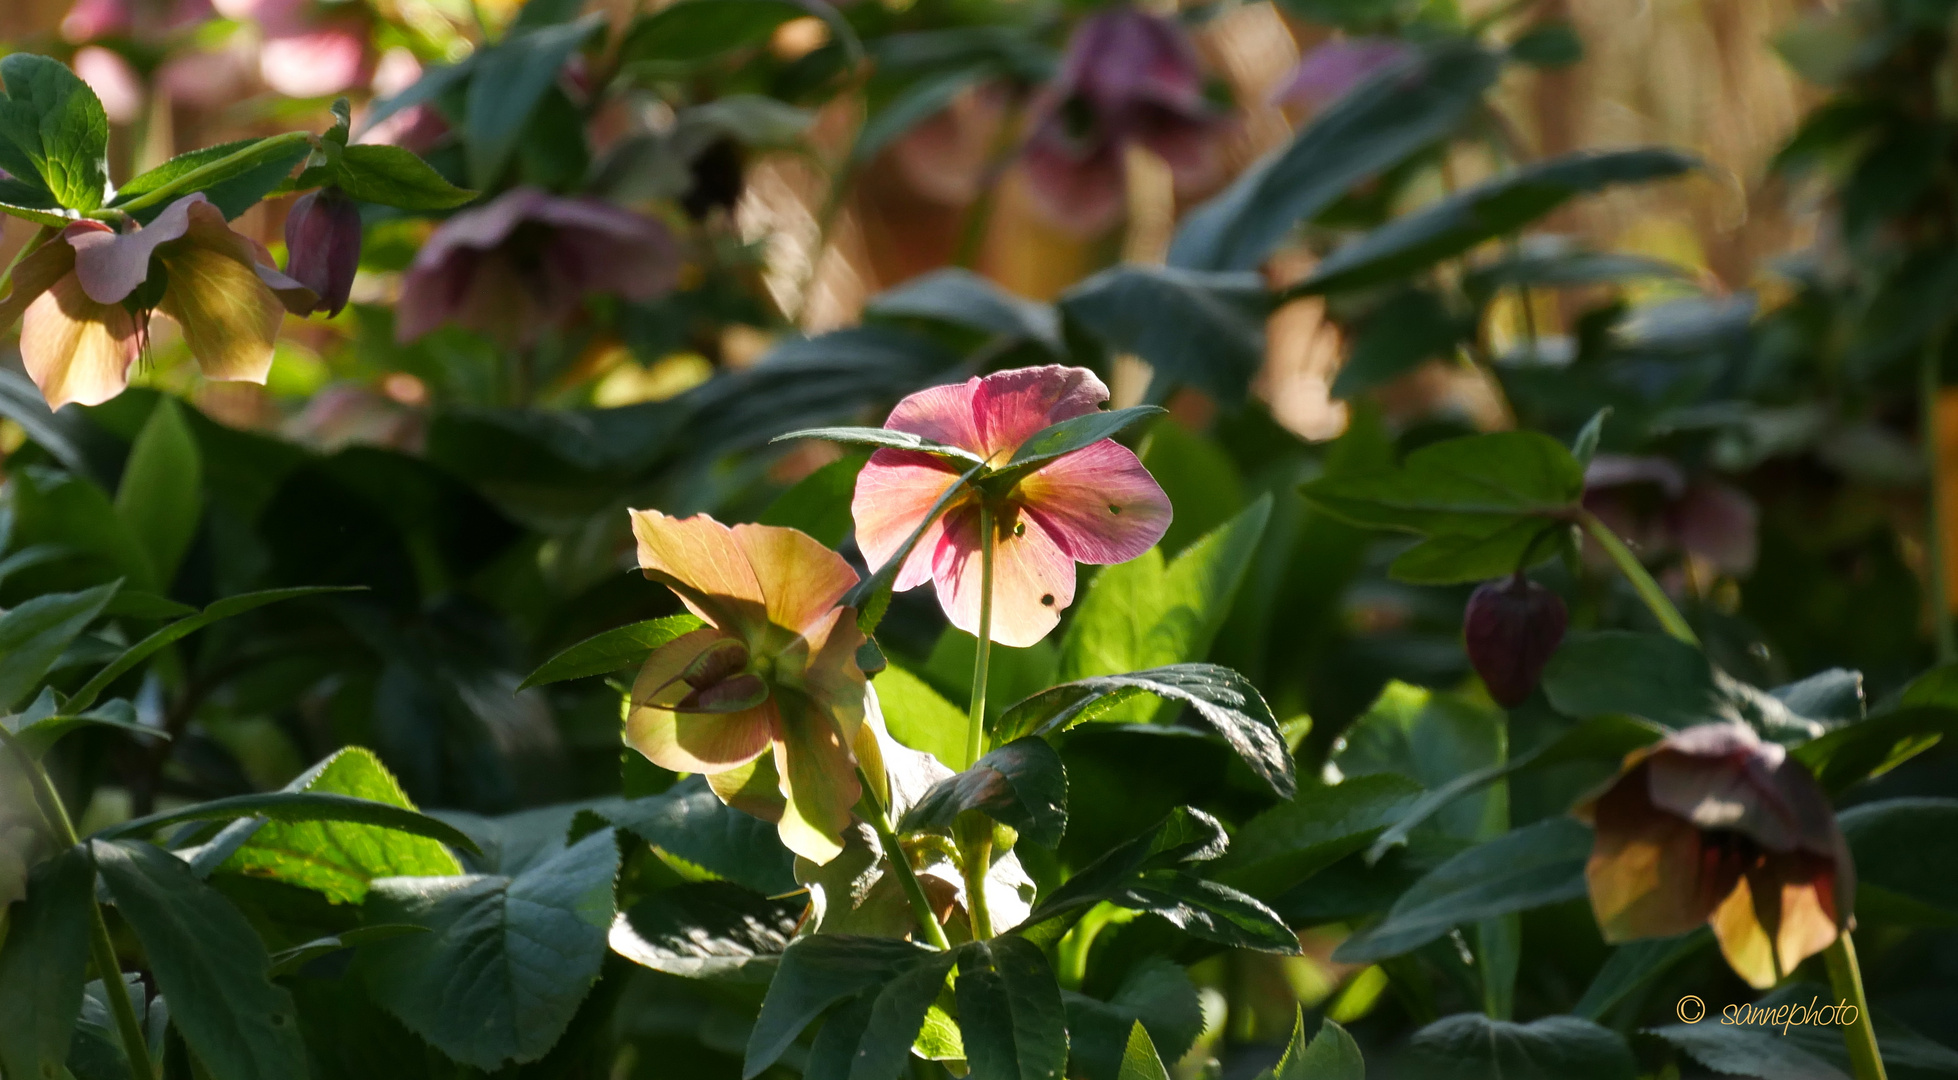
x,y
942,414
1099,504
1080,188
700,560
1011,406
111,265
76,349
691,742
114,81
1033,579
1329,71
313,63
1718,523
91,19
800,579
895,489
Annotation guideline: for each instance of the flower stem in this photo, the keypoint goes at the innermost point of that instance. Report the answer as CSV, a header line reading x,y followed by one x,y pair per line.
x,y
100,946
1648,590
1846,979
975,725
263,150
901,865
1930,382
975,832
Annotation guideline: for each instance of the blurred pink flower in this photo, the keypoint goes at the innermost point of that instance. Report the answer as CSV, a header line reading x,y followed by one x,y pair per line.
x,y
1128,76
114,81
1651,503
323,246
208,80
1096,505
91,19
316,61
144,20
417,127
526,259
1325,74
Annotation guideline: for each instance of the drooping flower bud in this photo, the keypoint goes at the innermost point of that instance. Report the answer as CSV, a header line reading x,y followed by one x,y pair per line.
x,y
323,246
1511,627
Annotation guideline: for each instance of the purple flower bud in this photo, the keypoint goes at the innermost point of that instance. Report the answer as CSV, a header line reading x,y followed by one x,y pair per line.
x,y
1511,628
323,246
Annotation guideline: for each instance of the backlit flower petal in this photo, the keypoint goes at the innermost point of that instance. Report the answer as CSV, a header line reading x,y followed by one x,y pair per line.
x,y
818,777
941,414
1648,874
111,265
1010,406
1033,579
699,559
76,349
230,318
685,741
895,490
800,579
753,788
1099,504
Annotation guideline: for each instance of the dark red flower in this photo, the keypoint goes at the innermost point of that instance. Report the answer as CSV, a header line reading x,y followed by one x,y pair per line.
x,y
1511,627
323,246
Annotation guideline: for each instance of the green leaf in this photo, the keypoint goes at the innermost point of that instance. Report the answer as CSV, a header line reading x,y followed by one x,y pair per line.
x,y
207,961
1201,328
1331,1055
1210,910
1548,44
1746,1051
1530,867
391,176
1156,995
1186,835
1221,697
1010,1011
1655,676
916,103
919,717
962,298
1021,784
1495,208
1564,268
693,31
1368,131
1139,1060
1906,853
509,80
182,628
233,189
1202,481
1481,501
51,219
1865,750
52,124
1079,433
1633,965
613,650
39,732
21,402
884,438
340,857
297,806
689,822
1433,739
42,965
897,1014
708,930
35,633
289,961
819,504
1470,1046
1144,614
161,496
57,507
506,961
815,973
1321,825
1407,329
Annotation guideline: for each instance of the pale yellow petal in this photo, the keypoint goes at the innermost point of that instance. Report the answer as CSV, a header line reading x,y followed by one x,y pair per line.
x,y
230,317
76,349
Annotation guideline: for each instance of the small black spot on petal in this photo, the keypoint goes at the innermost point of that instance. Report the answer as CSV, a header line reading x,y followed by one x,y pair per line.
x,y
1113,509
1019,528
1047,600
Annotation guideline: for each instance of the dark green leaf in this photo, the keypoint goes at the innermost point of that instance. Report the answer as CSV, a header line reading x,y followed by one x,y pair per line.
x,y
1530,867
1860,751
819,504
1489,210
42,964
1010,1011
1324,823
34,634
962,298
1906,859
506,961
40,730
1470,1046
689,822
208,961
297,806
923,99
289,961
1331,1055
1563,268
1139,1060
1408,329
1221,697
1550,44
161,496
1209,910
134,604
1079,433
1198,328
391,176
708,930
21,402
1654,676
1394,115
884,438
613,650
508,82
233,190
1633,965
1747,1051
52,126
339,857
896,1014
693,31
1156,995
817,972
1021,784
1186,835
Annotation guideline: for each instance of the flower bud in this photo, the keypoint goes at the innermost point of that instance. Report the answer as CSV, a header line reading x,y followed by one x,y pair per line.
x,y
1511,628
323,246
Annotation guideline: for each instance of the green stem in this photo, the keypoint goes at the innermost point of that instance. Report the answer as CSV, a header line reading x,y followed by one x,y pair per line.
x,y
900,865
975,725
264,150
1846,979
1930,381
100,946
975,860
1648,590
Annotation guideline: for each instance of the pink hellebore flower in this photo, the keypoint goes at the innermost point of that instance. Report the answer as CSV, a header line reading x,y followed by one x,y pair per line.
x,y
1651,502
526,259
1096,505
84,301
1128,76
774,672
1325,74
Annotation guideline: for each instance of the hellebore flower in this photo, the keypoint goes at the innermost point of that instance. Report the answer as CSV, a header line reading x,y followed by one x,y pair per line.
x,y
1510,628
1128,76
1714,825
1651,503
323,246
524,261
1096,505
775,670
1325,74
84,300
